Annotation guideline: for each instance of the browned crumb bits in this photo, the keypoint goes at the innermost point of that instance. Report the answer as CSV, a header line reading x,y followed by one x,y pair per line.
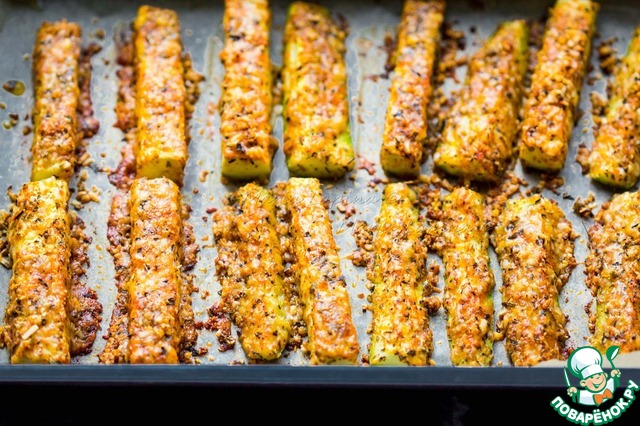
x,y
584,208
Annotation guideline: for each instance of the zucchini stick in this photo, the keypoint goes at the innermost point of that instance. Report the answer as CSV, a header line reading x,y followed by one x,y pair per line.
x,y
478,138
317,134
251,272
245,106
615,155
55,78
613,273
550,109
469,280
534,244
405,125
155,277
161,147
39,239
400,332
332,336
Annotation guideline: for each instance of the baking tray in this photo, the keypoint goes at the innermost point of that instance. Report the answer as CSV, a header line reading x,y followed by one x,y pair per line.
x,y
370,23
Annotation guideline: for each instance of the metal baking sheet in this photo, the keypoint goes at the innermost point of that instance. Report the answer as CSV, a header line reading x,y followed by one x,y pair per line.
x,y
370,22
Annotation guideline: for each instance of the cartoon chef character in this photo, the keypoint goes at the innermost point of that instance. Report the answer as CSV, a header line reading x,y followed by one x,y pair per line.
x,y
586,364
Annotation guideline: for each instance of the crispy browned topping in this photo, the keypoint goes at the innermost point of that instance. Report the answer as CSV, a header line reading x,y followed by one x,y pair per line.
x,y
615,154
251,271
245,104
613,272
317,134
405,125
463,244
551,106
400,332
534,244
480,130
55,119
36,318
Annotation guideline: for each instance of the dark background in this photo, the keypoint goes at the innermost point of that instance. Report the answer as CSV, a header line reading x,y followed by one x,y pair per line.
x,y
296,405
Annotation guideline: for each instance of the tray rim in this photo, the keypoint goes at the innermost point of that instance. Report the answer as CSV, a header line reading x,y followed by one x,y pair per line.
x,y
424,377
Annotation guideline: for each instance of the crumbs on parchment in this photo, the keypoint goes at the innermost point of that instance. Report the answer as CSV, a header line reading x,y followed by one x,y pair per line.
x,y
584,207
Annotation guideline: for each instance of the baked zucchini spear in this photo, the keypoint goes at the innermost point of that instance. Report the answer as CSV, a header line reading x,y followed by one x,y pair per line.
x,y
550,109
161,147
155,279
332,336
469,280
479,134
405,125
251,272
613,273
317,134
615,154
400,332
534,244
245,106
37,323
55,78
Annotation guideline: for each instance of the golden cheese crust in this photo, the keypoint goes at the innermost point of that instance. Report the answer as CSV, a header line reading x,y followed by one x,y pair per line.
x,y
332,336
55,79
251,272
405,125
155,278
317,134
400,332
615,155
613,273
477,141
161,146
556,83
469,280
534,244
39,238
245,106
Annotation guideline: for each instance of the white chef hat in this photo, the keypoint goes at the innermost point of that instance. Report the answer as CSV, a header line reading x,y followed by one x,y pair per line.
x,y
585,362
